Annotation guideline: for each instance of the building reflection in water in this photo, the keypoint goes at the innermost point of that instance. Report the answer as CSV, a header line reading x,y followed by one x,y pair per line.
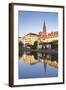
x,y
34,58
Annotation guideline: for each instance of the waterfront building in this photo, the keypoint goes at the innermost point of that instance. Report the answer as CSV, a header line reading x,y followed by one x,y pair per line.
x,y
43,38
30,38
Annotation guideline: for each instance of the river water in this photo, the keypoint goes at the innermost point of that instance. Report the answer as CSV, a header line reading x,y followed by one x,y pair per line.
x,y
37,65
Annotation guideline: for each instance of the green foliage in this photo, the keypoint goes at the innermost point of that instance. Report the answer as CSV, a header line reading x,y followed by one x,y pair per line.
x,y
20,44
33,46
55,44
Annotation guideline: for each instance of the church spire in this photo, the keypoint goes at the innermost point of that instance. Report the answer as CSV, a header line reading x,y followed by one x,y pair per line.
x,y
44,27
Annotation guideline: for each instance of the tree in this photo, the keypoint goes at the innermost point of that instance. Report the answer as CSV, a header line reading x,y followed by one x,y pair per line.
x,y
55,44
20,44
33,46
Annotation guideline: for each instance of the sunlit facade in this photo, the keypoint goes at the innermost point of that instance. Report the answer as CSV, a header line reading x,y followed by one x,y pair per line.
x,y
29,38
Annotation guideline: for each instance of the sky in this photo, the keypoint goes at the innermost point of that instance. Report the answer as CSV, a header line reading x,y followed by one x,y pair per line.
x,y
32,22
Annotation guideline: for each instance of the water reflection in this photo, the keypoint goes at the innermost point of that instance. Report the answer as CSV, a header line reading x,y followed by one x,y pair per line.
x,y
37,65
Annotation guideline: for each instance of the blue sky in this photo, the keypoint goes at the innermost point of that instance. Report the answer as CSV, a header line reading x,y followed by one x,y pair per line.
x,y
32,22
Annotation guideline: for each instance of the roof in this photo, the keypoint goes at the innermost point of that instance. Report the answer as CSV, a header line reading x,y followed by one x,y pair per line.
x,y
32,34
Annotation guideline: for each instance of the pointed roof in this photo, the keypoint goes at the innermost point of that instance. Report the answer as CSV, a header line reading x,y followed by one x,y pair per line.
x,y
44,27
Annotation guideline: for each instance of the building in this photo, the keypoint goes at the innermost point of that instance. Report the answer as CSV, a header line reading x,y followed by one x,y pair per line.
x,y
43,35
30,38
43,38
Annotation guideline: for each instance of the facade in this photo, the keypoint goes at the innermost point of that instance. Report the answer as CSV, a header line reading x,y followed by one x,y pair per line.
x,y
43,35
29,38
45,38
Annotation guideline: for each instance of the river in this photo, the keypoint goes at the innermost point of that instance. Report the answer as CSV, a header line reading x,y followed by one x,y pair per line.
x,y
37,65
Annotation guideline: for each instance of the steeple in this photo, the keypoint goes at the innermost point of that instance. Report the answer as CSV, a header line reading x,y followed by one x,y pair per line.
x,y
44,27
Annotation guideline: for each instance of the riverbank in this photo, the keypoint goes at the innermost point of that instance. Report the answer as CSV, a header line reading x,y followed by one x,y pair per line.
x,y
52,51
